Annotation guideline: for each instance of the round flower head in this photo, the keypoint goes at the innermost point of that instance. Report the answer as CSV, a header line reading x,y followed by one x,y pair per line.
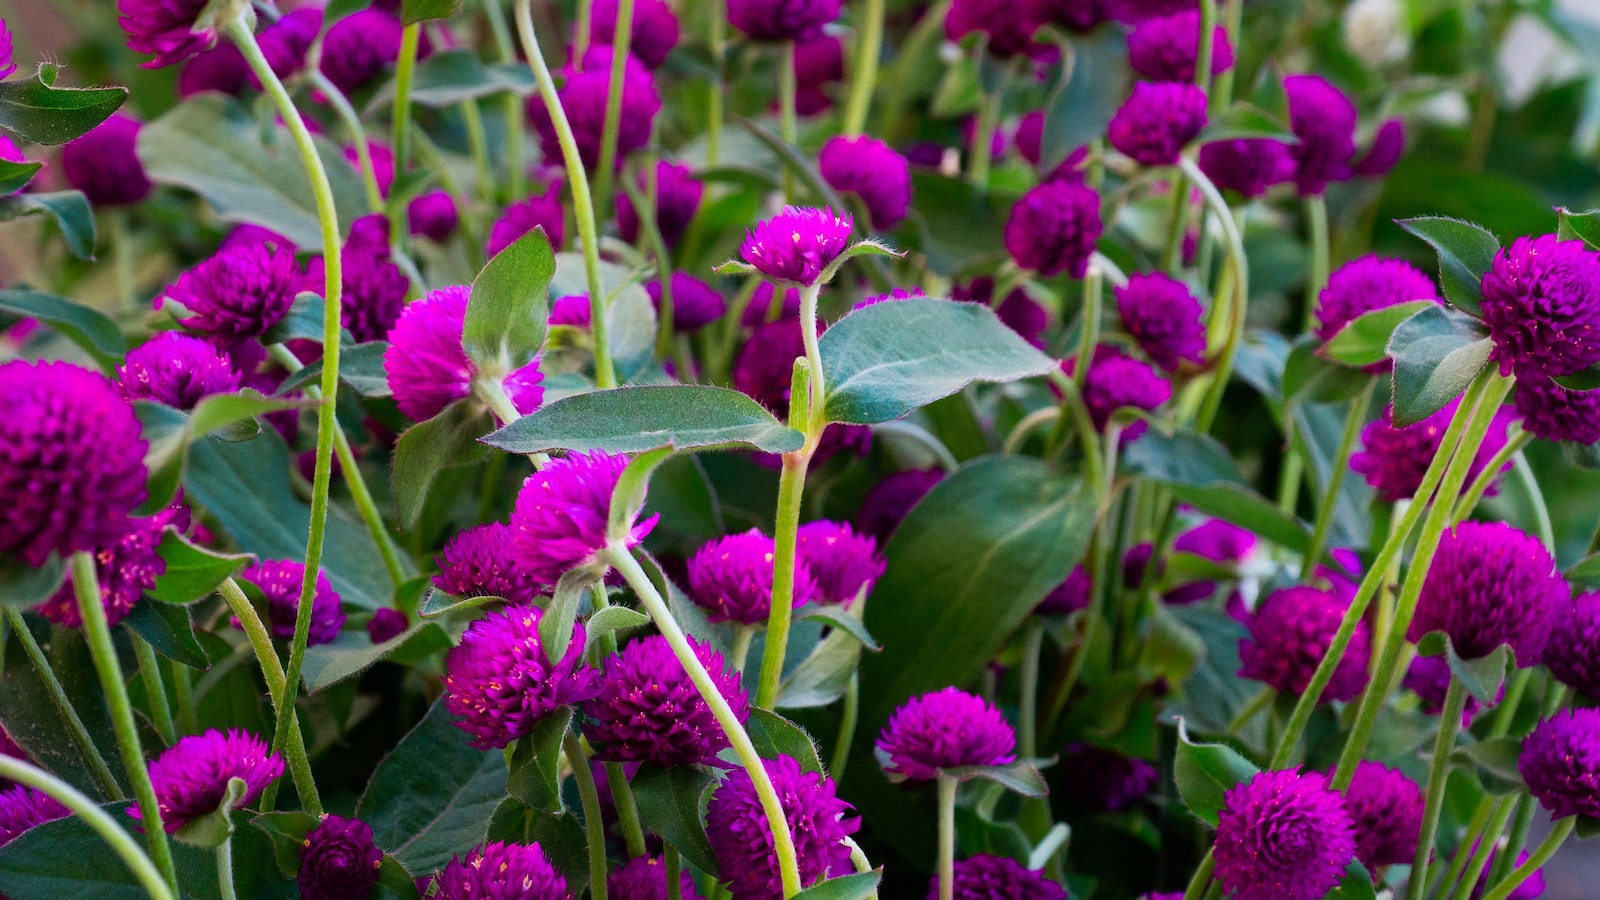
x,y
1069,596
164,28
840,561
782,20
1541,301
1053,228
765,366
584,97
1165,48
1283,835
71,460
873,171
176,369
741,839
731,578
1555,413
573,311
1429,678
1105,780
794,246
103,165
285,42
498,682
1116,380
191,777
1573,650
1490,584
279,581
888,503
1386,809
374,288
818,62
695,304
1388,145
1157,121
1363,285
22,808
1164,318
647,709
645,878
1394,458
125,569
433,215
538,211
338,860
653,35
8,66
1247,165
222,69
1007,25
500,871
358,47
677,195
1218,541
943,730
1324,120
1561,763
1290,633
386,625
427,367
988,877
479,562
559,523
239,293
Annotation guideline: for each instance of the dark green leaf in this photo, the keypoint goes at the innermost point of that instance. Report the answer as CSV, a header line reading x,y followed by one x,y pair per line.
x,y
1584,226
847,887
670,801
1181,457
1587,828
352,653
428,448
1436,353
840,618
1310,378
23,585
395,883
32,719
1465,253
360,365
1585,571
1204,772
1494,760
169,629
286,831
510,303
303,321
635,419
627,498
1247,509
535,775
1585,380
1482,677
15,175
1022,777
1080,109
775,736
38,112
69,209
1355,885
956,224
192,571
1364,340
454,76
166,433
561,837
437,603
1168,648
211,830
85,327
555,626
412,11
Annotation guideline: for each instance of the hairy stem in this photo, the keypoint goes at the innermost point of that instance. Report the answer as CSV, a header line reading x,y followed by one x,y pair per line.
x,y
155,690
864,77
225,869
1353,422
849,718
69,714
1455,700
947,837
621,39
593,825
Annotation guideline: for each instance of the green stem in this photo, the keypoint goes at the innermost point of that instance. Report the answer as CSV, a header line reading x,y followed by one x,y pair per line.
x,y
405,68
651,231
791,485
1201,879
947,837
593,825
1541,512
1485,844
1518,838
1552,842
1240,269
1233,19
122,258
627,809
1455,700
1317,235
718,18
69,714
97,634
1262,700
1480,485
1203,54
478,144
1507,711
358,136
1027,733
1088,325
788,127
621,39
183,692
1353,422
982,148
514,111
225,869
869,46
1177,221
155,691
669,853
743,635
849,718
1439,886
580,42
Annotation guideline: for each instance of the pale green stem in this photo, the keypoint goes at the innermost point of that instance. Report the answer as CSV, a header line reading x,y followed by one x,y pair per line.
x,y
1518,686
718,18
743,635
1485,844
122,258
1027,426
1480,485
627,809
1203,54
864,78
1240,268
849,718
1233,18
788,126
947,837
1317,235
514,111
594,826
1552,842
1089,325
69,714
1440,882
1028,732
1263,699
225,869
580,42
674,872
1177,224
405,68
155,691
358,136
183,692
982,149
478,144
1541,512
1455,700
1353,422
621,39
1201,879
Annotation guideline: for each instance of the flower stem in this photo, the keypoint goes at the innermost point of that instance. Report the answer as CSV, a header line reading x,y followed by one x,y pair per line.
x,y
183,691
155,691
225,869
627,809
97,634
1260,701
1485,844
982,148
1455,700
358,136
742,636
1028,733
1440,883
1546,849
405,68
1353,422
869,46
1317,235
621,39
592,823
1201,879
1203,53
651,230
947,837
669,853
69,714
514,112
478,145
1480,485
791,485
788,126
717,15
1239,268
849,718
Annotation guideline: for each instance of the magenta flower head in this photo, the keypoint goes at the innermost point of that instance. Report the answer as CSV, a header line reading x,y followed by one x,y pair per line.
x,y
840,561
782,20
677,195
764,368
695,304
538,211
8,66
222,69
279,581
1116,380
176,369
1283,835
1541,301
741,839
164,28
1388,145
888,503
1164,318
478,562
285,42
796,245
191,777
358,47
873,171
989,877
71,460
1324,120
1290,633
1366,284
760,310
103,165
818,62
647,709
1555,413
1394,458
433,215
387,624
21,808
652,37
1165,48
1386,808
1105,780
374,288
1561,763
584,98
1247,165
126,568
944,729
1157,121
1069,596
239,293
731,578
1053,228
1491,584
559,523
499,683
1007,26
645,878
572,310
1429,678
500,871
427,367
1573,651
338,860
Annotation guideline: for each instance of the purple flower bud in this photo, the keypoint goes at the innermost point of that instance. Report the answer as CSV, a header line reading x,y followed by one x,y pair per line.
x,y
988,877
1394,458
888,503
1116,380
1366,284
387,624
1053,228
1069,596
191,777
695,304
584,97
498,682
1007,25
1386,809
338,860
1247,165
741,839
1104,780
433,215
165,28
677,200
1555,413
1166,48
279,581
1290,634
427,367
285,42
358,47
870,169
1561,763
1541,301
125,569
499,871
731,578
794,246
647,709
1157,121
1324,120
373,287
1490,584
1388,145
1164,318
573,311
538,211
559,523
653,35
176,369
103,165
21,808
239,293
840,561
1573,651
782,20
760,311
818,62
944,729
1283,835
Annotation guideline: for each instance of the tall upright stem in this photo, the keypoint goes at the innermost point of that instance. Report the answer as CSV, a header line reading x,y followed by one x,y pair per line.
x,y
514,111
593,825
864,78
1027,733
1239,271
849,718
346,112
788,124
1317,234
225,869
155,689
1455,700
1552,842
69,714
982,148
717,15
621,40
1205,50
1353,422
947,837
405,68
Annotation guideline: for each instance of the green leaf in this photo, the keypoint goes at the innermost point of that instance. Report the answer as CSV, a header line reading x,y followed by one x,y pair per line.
x,y
1436,353
1482,676
1585,571
437,603
1587,828
1494,760
412,11
611,620
1356,884
775,736
1205,772
670,802
1364,340
426,449
1584,226
842,619
1310,378
166,433
561,837
69,209
868,248
360,365
631,325
212,829
192,571
14,176
1083,105
824,675
220,412
31,718
635,419
555,625
1242,121
449,77
1465,253
40,113
510,304
627,498
88,328
303,321
169,629
1021,777
1583,380
22,585
352,653
535,774
859,886
1181,456
888,359
286,831
955,224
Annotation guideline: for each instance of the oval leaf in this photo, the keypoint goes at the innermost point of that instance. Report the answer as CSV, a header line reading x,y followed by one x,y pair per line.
x,y
88,328
1205,772
1364,340
510,303
1436,354
37,111
1465,253
69,209
635,419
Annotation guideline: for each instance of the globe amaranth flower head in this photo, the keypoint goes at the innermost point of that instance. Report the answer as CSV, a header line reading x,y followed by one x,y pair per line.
x,y
1561,763
840,561
164,28
285,42
818,63
573,311
731,578
1053,228
1490,584
338,860
1541,301
648,710
944,729
176,369
1573,651
1324,121
1429,678
1369,283
695,304
1283,835
387,624
989,877
103,165
500,871
1007,25
237,294
873,171
1394,458
645,878
428,368
279,581
653,34
1166,48
479,562
583,98
797,244
741,839
1157,121
764,368
888,503
22,808
1247,165
191,777
1290,634
1386,808
499,683
677,194
358,47
1556,413
433,215
1165,318
1105,780
538,211
71,460
782,20
125,568
559,523
1116,380
372,286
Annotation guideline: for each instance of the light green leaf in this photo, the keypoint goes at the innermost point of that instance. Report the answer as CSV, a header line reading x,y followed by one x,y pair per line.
x,y
1465,253
69,209
636,419
37,111
1436,353
1364,340
510,304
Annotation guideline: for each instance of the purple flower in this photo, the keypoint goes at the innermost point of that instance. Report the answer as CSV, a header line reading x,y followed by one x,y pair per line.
x,y
499,683
1394,458
1541,301
500,871
741,839
760,311
191,777
731,578
279,581
1429,678
1218,541
695,304
1165,48
1105,780
433,215
1080,16
176,369
1029,140
1555,413
239,293
1388,145
427,367
1053,228
645,878
8,66
125,568
1573,650
103,165
71,460
479,562
1157,121
794,246
765,365
573,311
1366,284
1290,634
222,68
840,561
338,860
944,729
818,62
584,98
1283,835
285,42
358,47
870,169
21,808
1386,809
1007,25
387,624
559,523
1324,120
538,211
1490,584
647,709
165,28
782,20
888,503
1069,596
373,287
1164,318
1247,165
677,195
989,877
1116,380
1561,763
653,35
